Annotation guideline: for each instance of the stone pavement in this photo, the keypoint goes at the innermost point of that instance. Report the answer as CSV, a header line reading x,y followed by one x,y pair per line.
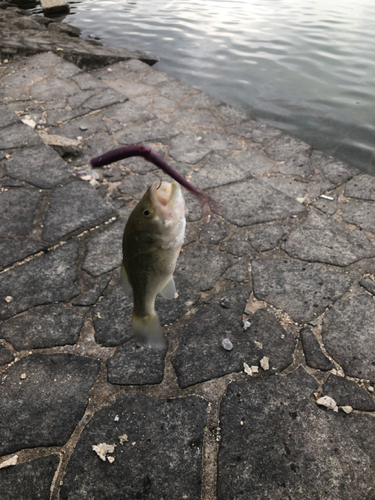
x,y
285,271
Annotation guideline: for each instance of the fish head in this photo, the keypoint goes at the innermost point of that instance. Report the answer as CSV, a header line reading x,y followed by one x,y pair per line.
x,y
161,211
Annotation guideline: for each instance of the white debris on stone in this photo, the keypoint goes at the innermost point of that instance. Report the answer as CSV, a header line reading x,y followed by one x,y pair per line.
x,y
111,459
247,369
246,325
102,449
117,418
346,409
328,402
258,344
86,177
8,298
370,388
326,197
227,344
265,363
254,369
30,122
94,183
123,438
10,461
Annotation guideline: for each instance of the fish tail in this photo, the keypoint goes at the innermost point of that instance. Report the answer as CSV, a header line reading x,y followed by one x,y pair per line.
x,y
148,328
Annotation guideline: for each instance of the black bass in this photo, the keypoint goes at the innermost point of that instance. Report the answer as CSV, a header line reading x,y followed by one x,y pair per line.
x,y
152,241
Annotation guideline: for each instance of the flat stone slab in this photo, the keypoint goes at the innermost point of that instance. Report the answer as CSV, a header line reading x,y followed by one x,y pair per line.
x,y
362,187
267,236
17,211
91,296
45,407
252,202
349,334
202,266
258,132
174,432
104,251
153,130
361,214
334,170
42,327
348,393
369,285
5,355
53,6
40,166
52,275
322,239
299,166
73,206
275,442
18,135
301,290
285,147
313,352
31,480
136,364
213,232
201,356
12,251
219,171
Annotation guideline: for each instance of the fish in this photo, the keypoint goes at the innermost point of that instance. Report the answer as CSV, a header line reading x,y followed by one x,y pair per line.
x,y
153,237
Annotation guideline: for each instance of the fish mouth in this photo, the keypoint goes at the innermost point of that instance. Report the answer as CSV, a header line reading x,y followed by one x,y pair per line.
x,y
164,193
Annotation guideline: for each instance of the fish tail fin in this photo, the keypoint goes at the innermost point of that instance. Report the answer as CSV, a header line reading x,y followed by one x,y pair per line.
x,y
148,328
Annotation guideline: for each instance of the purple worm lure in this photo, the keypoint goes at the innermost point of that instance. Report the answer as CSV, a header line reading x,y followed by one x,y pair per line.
x,y
149,155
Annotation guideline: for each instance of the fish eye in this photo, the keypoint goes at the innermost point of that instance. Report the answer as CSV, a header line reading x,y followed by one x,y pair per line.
x,y
146,212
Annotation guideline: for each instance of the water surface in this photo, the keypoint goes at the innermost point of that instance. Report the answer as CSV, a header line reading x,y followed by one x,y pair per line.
x,y
307,68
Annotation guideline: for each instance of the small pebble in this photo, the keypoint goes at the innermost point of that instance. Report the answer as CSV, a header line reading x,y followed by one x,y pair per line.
x,y
247,369
23,376
83,127
227,344
246,324
328,402
312,323
117,418
248,312
254,369
225,303
8,298
265,363
346,409
370,388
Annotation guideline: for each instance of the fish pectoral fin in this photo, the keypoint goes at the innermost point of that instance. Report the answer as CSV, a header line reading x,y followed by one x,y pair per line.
x,y
169,289
125,281
148,329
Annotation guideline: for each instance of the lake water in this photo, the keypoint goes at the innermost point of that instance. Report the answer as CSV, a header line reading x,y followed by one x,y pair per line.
x,y
307,68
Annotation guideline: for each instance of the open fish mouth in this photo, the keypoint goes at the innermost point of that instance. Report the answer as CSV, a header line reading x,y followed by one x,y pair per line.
x,y
164,194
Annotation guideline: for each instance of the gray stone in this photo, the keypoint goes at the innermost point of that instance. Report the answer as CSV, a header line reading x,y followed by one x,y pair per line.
x,y
127,112
31,480
362,187
233,301
285,147
18,135
200,357
195,118
51,275
12,251
251,202
230,115
286,442
349,334
301,290
238,273
76,100
334,170
136,185
96,144
267,236
199,100
348,393
17,211
45,407
213,232
369,285
329,207
153,130
40,166
54,6
42,327
91,296
313,353
104,251
322,239
7,117
106,98
51,89
112,318
237,244
219,171
136,364
191,148
193,208
317,189
83,126
5,355
202,266
58,116
64,69
290,187
298,166
258,132
361,214
174,432
62,145
73,206
65,28
87,82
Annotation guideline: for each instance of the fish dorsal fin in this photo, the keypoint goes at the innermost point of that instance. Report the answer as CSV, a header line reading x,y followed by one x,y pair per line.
x,y
125,281
169,289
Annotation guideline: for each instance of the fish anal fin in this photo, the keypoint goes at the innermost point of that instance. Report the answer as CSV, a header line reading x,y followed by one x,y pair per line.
x,y
169,289
125,281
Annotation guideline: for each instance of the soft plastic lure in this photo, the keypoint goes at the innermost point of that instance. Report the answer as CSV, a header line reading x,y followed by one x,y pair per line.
x,y
149,155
